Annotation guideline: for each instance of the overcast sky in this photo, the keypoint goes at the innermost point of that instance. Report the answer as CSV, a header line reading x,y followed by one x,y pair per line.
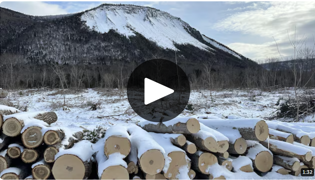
x,y
258,30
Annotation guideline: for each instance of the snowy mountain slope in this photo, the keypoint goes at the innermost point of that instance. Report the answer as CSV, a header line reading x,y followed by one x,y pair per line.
x,y
157,26
221,46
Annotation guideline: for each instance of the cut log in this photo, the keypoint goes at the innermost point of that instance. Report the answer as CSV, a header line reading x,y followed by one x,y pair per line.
x,y
224,155
113,167
150,153
225,162
287,149
49,154
204,141
30,155
132,168
298,135
48,117
7,110
52,137
202,160
242,163
15,151
239,146
280,170
117,139
15,173
250,129
262,158
12,127
177,126
41,170
32,137
298,172
192,174
177,139
311,163
179,160
5,160
291,163
281,136
74,163
190,147
221,139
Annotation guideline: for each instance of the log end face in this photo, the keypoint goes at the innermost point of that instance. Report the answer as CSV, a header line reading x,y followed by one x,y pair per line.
x,y
261,130
178,161
14,152
117,144
68,167
205,160
247,168
305,140
226,155
12,127
115,172
181,140
29,156
290,139
191,148
263,161
192,174
223,146
32,137
49,154
227,164
193,125
152,161
211,144
9,176
3,164
240,146
41,172
283,171
296,166
308,156
51,137
312,142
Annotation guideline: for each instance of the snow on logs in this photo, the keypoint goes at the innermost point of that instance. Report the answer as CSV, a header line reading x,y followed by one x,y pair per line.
x,y
242,163
113,167
41,170
117,139
13,124
225,162
250,129
280,170
311,163
7,110
145,150
298,134
287,149
182,125
15,151
291,163
201,161
15,173
74,163
262,158
177,157
279,135
5,160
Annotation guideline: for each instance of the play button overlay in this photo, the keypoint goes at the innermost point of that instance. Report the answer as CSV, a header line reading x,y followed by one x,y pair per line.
x,y
154,91
158,90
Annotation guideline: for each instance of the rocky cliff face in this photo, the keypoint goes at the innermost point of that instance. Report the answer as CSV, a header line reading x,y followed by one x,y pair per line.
x,y
107,34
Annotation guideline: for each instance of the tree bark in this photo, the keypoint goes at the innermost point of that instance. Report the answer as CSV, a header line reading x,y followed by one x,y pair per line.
x,y
5,160
16,173
204,141
177,126
48,117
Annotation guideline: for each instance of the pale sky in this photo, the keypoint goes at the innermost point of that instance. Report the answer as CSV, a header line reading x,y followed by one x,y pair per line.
x,y
258,30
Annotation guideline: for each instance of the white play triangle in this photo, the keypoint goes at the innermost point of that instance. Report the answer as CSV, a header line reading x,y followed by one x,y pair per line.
x,y
154,91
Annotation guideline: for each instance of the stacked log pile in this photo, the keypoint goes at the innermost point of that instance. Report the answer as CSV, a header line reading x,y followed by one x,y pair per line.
x,y
182,148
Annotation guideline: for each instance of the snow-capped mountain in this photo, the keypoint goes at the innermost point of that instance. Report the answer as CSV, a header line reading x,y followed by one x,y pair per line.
x,y
110,33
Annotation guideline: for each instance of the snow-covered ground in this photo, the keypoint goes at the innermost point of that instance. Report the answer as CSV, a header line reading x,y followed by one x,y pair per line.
x,y
74,110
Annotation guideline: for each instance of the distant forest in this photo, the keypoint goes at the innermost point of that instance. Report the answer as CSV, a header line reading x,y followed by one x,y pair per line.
x,y
15,75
